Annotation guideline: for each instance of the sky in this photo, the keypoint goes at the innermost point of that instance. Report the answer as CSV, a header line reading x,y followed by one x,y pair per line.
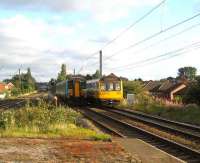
x,y
43,34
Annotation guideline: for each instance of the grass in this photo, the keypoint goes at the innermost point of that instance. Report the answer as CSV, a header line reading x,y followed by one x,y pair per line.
x,y
45,121
186,114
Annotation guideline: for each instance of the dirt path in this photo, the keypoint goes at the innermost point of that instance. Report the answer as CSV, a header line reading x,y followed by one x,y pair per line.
x,y
62,150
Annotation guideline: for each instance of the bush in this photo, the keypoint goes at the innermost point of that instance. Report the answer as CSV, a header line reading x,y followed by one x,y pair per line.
x,y
40,117
15,92
132,87
192,94
45,121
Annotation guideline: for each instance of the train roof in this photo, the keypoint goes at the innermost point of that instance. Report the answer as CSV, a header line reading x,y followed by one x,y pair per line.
x,y
111,77
92,81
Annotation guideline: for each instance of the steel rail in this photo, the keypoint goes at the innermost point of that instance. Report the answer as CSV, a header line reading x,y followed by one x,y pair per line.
x,y
173,129
184,150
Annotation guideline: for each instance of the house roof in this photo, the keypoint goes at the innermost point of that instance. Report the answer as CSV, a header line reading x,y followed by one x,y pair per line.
x,y
152,85
164,86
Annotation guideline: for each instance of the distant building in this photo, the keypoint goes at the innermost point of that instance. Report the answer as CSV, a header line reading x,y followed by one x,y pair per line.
x,y
5,88
2,87
168,89
123,78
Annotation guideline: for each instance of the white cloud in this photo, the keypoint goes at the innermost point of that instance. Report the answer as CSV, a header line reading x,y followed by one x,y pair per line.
x,y
44,43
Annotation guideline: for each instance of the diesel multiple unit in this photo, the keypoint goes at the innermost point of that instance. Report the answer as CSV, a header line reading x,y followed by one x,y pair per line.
x,y
108,88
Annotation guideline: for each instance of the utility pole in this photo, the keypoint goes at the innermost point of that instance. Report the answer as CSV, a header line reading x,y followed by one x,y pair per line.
x,y
20,79
74,72
100,63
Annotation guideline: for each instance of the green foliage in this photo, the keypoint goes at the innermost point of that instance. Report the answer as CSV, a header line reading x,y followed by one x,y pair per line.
x,y
44,121
188,72
133,87
187,114
88,77
15,91
24,83
41,117
63,73
96,75
192,94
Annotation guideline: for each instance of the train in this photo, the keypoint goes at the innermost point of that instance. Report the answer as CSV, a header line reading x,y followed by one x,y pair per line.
x,y
107,89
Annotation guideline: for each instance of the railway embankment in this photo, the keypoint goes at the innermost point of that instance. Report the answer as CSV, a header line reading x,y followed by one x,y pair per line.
x,y
186,113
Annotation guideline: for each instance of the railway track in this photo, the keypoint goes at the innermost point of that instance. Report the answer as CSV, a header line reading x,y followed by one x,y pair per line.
x,y
12,104
122,123
185,130
18,102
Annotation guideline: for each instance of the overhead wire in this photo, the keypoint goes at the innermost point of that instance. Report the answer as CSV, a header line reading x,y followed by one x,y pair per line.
x,y
135,23
166,38
153,36
124,31
159,56
160,60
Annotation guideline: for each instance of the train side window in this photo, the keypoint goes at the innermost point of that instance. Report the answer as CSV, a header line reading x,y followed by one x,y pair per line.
x,y
88,85
82,84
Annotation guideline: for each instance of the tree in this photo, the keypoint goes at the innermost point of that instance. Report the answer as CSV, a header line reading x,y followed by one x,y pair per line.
x,y
96,75
132,87
26,84
52,82
63,73
192,94
28,81
187,72
88,77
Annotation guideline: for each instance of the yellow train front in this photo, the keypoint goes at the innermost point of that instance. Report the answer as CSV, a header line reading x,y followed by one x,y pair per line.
x,y
108,89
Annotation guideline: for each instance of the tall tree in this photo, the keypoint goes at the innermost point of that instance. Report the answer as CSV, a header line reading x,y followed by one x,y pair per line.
x,y
63,73
96,75
133,87
88,77
28,80
192,94
187,72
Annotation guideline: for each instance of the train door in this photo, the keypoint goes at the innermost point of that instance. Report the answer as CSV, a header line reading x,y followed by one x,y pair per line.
x,y
77,89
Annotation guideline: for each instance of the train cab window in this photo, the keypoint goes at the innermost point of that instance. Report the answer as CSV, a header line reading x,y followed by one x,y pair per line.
x,y
111,87
107,85
117,86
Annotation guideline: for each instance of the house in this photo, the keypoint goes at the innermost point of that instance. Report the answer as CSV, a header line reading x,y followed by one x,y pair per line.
x,y
2,87
5,87
167,89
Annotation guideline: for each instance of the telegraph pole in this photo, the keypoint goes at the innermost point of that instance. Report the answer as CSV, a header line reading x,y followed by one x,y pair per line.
x,y
100,63
20,79
74,72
